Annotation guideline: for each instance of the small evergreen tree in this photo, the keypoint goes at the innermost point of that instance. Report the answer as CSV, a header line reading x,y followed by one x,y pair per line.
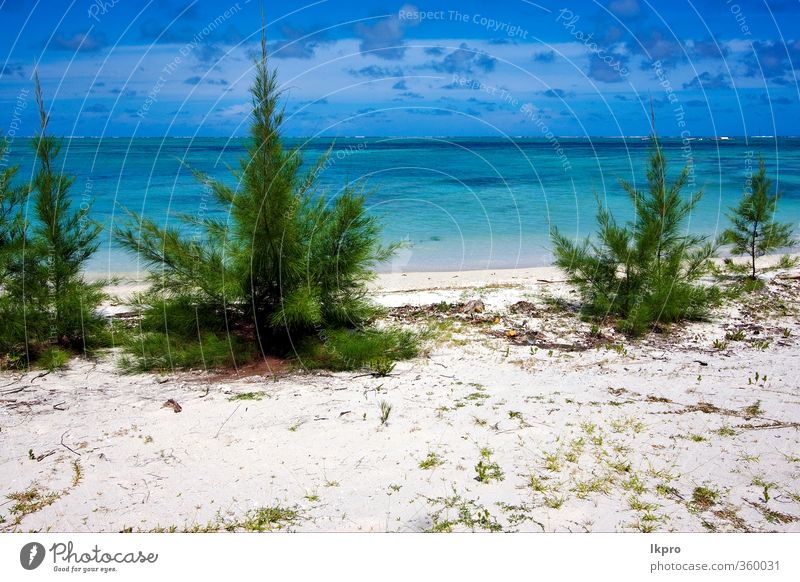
x,y
12,200
63,240
287,262
12,237
645,272
755,231
45,300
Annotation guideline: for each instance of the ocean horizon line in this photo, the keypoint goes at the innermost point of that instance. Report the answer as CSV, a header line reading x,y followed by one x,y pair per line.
x,y
644,137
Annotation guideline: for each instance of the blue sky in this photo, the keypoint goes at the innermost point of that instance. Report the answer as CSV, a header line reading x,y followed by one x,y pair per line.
x,y
378,67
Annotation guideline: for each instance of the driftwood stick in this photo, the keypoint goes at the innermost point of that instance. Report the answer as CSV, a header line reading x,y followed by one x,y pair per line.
x,y
226,420
66,446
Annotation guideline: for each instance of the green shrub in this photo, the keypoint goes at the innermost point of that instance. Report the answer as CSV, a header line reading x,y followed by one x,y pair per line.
x,y
167,352
346,349
754,232
53,359
644,273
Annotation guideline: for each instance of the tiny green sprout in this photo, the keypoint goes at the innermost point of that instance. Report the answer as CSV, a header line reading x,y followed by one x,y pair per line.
x,y
486,469
386,410
431,461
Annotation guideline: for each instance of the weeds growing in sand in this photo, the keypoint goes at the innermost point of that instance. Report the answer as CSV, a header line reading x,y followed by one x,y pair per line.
x,y
787,262
646,273
704,497
726,431
77,473
554,501
288,264
595,484
765,486
432,461
53,359
454,512
754,231
487,470
386,410
30,501
248,396
754,409
720,345
266,519
44,245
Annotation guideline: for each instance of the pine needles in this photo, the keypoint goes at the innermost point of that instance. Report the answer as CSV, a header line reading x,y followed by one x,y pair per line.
x,y
754,232
290,266
646,272
44,299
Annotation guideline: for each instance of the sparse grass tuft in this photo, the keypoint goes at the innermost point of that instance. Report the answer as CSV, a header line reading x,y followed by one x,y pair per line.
x,y
30,501
249,396
432,461
77,473
595,484
487,470
704,497
386,410
754,409
271,518
455,512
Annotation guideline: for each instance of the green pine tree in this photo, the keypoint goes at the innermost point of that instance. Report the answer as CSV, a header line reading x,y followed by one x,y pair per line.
x,y
645,272
754,231
12,243
287,263
12,202
44,300
62,239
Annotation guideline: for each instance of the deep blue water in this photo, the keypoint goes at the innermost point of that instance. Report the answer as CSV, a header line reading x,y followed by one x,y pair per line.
x,y
461,203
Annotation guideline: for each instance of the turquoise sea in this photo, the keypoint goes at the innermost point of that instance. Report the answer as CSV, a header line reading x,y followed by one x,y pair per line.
x,y
459,203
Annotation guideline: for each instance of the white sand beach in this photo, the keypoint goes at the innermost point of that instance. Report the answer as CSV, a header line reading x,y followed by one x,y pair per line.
x,y
570,430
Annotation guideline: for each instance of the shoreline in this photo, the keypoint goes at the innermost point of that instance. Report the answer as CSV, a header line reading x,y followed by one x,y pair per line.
x,y
404,282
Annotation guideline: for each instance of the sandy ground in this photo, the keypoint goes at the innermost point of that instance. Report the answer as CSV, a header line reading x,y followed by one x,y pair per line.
x,y
569,430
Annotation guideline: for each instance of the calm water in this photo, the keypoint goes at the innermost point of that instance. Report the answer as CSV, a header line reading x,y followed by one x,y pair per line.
x,y
460,203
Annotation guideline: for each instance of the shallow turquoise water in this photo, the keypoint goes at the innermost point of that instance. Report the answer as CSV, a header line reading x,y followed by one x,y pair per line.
x,y
460,203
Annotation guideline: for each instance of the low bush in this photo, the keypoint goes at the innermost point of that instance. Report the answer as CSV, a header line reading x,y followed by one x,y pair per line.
x,y
345,349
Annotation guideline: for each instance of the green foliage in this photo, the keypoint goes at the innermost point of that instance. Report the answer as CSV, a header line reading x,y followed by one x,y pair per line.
x,y
346,349
386,410
166,352
754,232
454,513
645,272
53,358
12,225
44,246
288,265
787,262
432,461
486,469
